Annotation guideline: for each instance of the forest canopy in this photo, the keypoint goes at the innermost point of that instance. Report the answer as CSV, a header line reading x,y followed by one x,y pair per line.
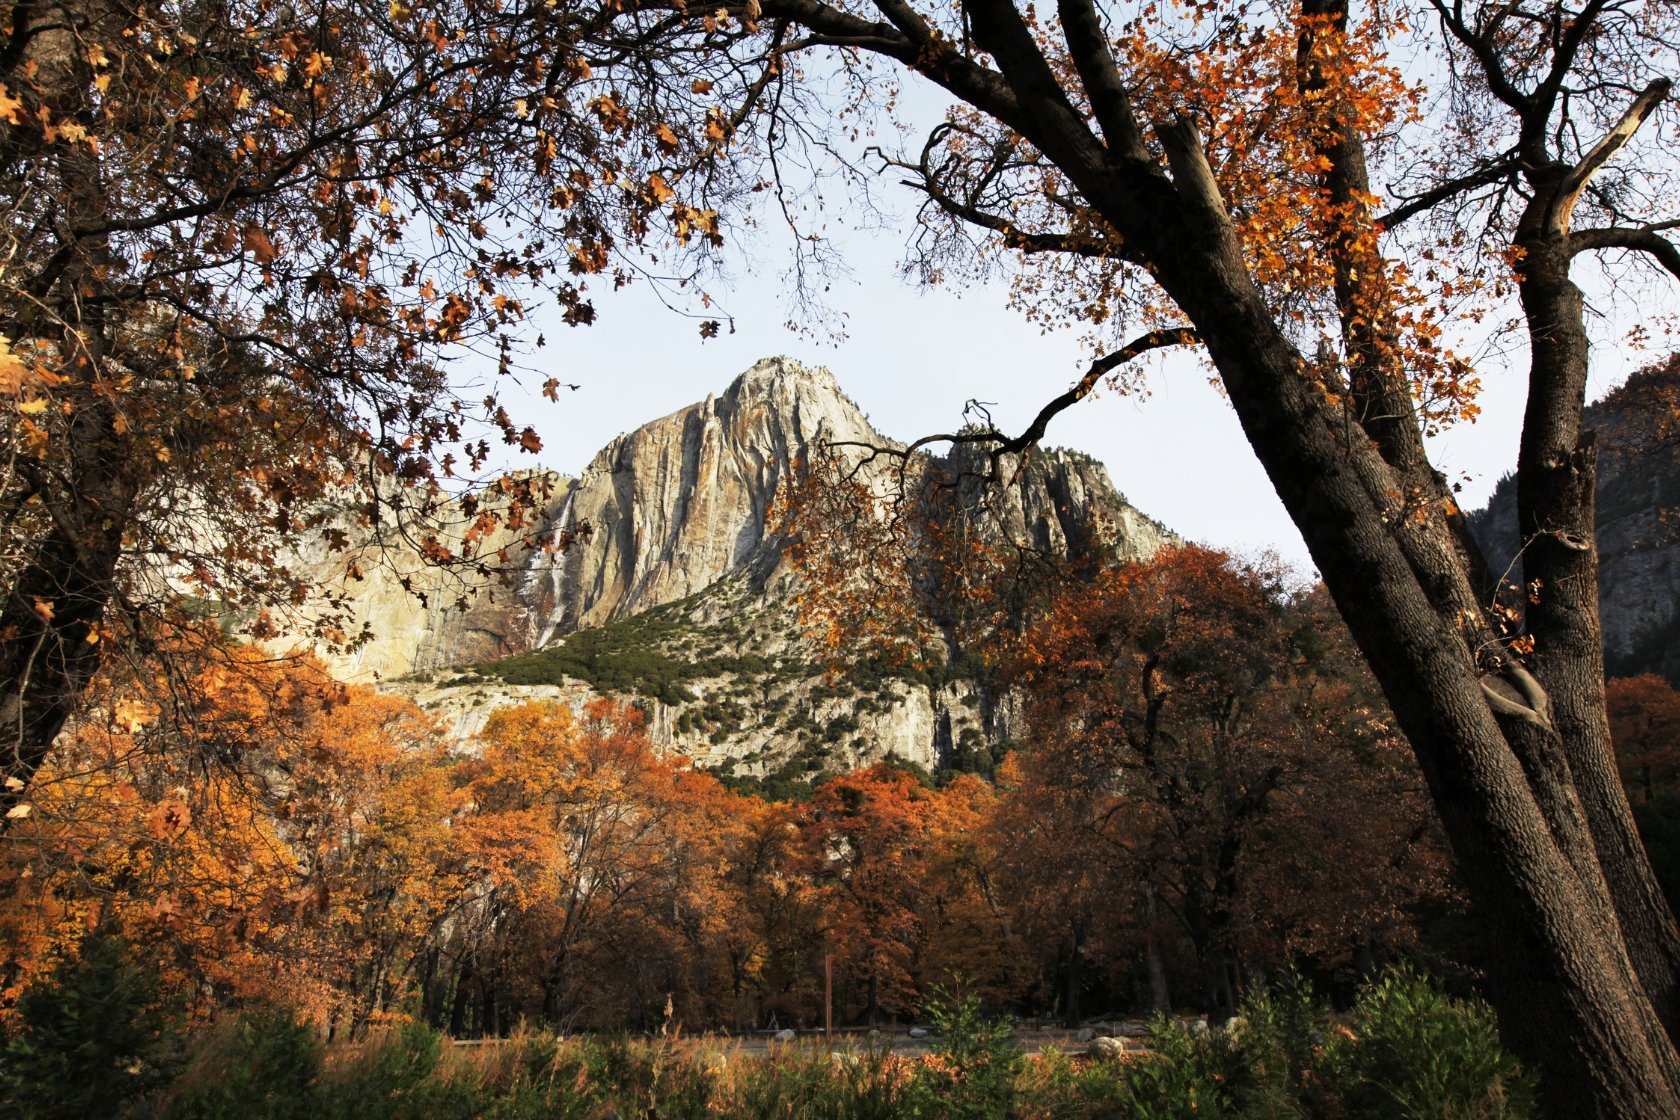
x,y
244,240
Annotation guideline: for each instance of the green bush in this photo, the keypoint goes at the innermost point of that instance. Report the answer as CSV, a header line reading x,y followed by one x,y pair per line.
x,y
395,1076
90,1039
262,1065
974,1065
1407,1052
1186,1076
1418,1053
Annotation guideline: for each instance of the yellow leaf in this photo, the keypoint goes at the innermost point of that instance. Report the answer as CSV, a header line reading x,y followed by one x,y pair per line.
x,y
18,812
11,109
33,407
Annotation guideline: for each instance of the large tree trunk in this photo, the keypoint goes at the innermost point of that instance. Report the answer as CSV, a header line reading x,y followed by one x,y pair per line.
x,y
48,651
1569,999
1568,996
50,638
1556,522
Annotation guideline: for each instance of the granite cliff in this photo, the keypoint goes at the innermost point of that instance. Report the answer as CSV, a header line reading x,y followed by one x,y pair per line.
x,y
671,590
1638,497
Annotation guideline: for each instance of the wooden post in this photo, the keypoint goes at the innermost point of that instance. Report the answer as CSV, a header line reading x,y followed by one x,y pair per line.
x,y
828,997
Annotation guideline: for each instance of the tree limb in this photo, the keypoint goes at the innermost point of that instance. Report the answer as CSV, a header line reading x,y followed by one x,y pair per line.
x,y
1014,237
1110,103
1049,118
1008,445
1569,191
1192,174
1645,240
1501,168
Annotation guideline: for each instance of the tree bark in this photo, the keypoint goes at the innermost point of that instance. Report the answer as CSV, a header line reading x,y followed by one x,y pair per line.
x,y
1568,997
1556,524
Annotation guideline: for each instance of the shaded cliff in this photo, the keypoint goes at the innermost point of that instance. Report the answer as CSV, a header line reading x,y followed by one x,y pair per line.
x,y
1638,497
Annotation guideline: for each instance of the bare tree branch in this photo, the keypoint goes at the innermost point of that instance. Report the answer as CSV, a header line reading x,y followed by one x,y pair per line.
x,y
1028,241
1029,436
1569,192
1502,168
1645,240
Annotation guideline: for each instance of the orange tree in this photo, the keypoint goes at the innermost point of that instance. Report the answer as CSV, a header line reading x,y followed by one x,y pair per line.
x,y
1645,720
244,240
864,840
595,874
318,866
1195,172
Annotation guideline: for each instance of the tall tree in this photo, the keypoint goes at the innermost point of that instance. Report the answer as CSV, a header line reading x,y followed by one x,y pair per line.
x,y
244,239
1202,172
1240,782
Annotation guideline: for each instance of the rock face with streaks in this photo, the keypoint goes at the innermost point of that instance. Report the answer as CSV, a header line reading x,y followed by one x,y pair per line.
x,y
1638,499
659,514
671,590
682,501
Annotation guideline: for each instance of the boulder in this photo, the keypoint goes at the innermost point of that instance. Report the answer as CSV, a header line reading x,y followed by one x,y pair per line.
x,y
1107,1049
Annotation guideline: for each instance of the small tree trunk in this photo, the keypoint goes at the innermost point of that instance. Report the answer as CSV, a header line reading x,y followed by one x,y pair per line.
x,y
1075,979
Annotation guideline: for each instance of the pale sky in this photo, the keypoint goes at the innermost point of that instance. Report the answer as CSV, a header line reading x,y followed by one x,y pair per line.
x,y
912,357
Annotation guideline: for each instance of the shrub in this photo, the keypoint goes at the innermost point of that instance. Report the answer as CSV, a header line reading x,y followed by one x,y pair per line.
x,y
971,1073
89,1039
1419,1053
396,1076
262,1065
1186,1076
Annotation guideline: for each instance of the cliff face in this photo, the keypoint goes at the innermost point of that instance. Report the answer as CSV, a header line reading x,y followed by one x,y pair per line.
x,y
1638,496
681,502
671,591
672,509
659,514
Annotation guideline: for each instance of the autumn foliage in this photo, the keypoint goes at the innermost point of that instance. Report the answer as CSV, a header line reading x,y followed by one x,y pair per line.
x,y
1209,789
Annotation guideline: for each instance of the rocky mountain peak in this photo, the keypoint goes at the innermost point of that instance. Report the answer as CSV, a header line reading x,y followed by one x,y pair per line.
x,y
684,504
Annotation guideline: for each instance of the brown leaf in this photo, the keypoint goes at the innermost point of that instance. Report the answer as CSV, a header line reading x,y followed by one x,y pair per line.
x,y
259,246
